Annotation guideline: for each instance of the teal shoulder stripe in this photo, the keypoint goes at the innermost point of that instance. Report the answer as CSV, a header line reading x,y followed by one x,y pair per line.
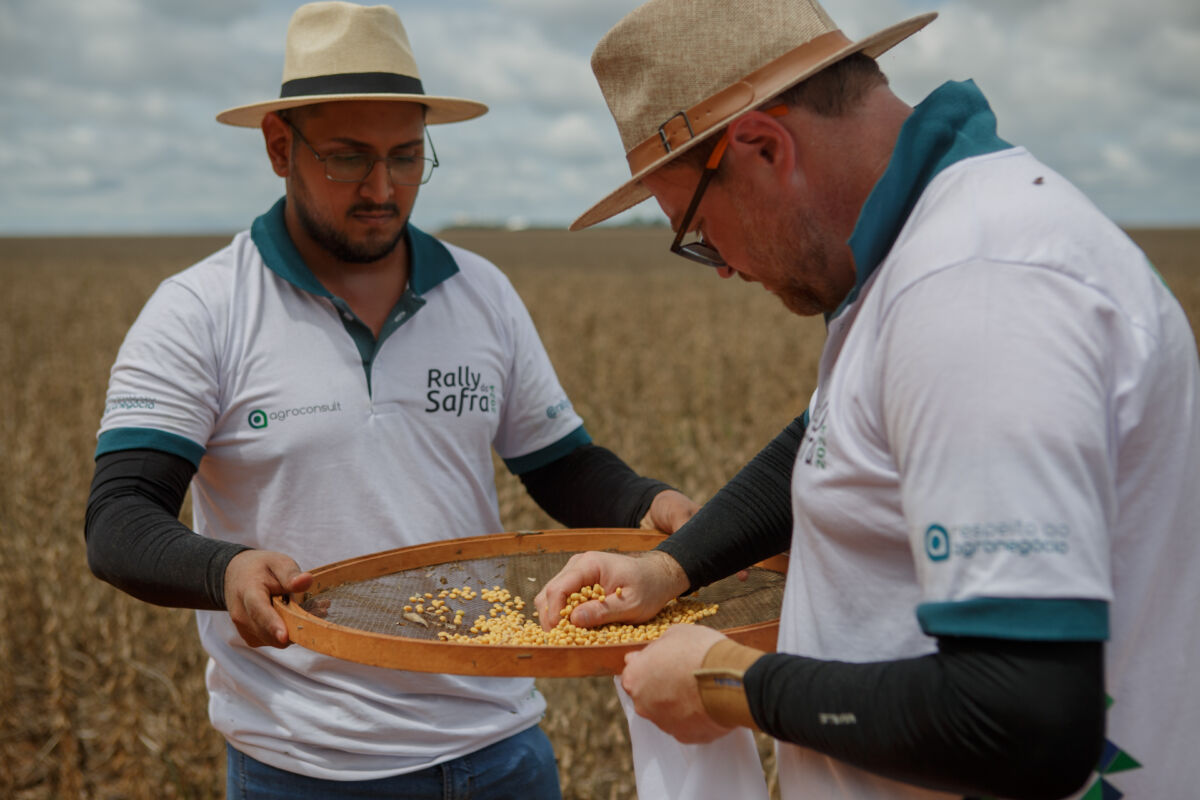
x,y
270,236
149,439
540,458
1029,619
431,261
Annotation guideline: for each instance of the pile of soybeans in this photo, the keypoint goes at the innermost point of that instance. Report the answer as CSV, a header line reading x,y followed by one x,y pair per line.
x,y
506,623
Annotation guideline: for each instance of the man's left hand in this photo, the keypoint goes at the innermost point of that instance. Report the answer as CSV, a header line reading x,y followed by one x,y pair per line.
x,y
659,680
669,511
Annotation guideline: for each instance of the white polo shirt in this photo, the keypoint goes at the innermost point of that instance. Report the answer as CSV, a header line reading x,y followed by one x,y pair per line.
x,y
1005,443
315,440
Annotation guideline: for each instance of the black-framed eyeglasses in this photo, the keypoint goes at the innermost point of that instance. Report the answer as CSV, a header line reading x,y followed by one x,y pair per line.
x,y
701,251
355,167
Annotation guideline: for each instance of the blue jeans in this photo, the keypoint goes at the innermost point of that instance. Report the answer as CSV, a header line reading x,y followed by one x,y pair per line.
x,y
520,767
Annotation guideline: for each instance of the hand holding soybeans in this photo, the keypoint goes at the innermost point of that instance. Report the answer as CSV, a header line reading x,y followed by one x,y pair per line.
x,y
647,581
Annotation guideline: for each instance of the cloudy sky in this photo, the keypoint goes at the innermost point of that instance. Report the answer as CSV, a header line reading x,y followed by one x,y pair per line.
x,y
107,106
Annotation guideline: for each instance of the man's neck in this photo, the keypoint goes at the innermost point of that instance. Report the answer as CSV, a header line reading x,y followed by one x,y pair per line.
x,y
879,125
371,289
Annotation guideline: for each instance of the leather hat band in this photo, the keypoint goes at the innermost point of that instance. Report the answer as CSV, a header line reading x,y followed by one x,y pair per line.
x,y
713,111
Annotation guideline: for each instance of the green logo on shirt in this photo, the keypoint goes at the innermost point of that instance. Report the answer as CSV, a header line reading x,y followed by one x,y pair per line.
x,y
1020,537
937,543
559,407
259,418
814,450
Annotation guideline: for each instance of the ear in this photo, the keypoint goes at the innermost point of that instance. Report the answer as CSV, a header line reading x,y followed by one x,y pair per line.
x,y
278,139
761,144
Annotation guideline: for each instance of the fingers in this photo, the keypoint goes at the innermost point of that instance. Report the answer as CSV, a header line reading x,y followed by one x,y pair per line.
x,y
582,569
636,588
622,607
594,613
252,578
627,675
669,510
660,680
633,597
619,575
297,581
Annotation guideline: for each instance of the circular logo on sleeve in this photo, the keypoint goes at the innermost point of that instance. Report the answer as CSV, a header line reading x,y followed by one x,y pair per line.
x,y
258,418
937,543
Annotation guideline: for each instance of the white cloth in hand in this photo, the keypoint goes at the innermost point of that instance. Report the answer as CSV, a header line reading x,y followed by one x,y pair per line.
x,y
665,769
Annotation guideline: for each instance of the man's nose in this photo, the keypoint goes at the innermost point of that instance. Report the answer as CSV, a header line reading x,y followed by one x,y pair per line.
x,y
378,184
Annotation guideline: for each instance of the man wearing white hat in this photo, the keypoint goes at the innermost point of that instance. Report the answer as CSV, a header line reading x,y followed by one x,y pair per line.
x,y
992,584
332,384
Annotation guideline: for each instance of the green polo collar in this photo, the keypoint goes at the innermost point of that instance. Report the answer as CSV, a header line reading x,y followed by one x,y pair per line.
x,y
952,124
430,262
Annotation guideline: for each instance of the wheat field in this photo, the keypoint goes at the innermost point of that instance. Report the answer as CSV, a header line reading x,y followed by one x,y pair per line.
x,y
684,375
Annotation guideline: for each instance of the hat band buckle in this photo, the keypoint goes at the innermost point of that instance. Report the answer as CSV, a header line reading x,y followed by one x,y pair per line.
x,y
662,134
765,82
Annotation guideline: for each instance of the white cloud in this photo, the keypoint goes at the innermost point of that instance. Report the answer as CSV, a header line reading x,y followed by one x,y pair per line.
x,y
501,60
1183,142
108,124
574,137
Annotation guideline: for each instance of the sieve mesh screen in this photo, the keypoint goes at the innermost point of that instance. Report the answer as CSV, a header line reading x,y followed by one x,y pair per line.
x,y
377,604
355,608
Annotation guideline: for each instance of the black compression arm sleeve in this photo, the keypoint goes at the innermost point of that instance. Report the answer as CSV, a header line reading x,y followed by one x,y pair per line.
x,y
980,716
135,540
591,487
748,520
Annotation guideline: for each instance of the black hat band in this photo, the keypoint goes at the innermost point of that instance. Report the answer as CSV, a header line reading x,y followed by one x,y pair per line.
x,y
352,83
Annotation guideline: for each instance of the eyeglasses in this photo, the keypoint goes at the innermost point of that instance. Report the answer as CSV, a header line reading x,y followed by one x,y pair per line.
x,y
701,251
355,167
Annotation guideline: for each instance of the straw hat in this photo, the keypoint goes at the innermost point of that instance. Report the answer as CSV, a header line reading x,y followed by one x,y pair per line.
x,y
343,51
675,72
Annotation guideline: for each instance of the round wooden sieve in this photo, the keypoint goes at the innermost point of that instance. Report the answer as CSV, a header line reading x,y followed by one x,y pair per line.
x,y
354,609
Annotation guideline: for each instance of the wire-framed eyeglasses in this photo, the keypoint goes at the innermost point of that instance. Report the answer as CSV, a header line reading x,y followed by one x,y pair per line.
x,y
355,167
701,251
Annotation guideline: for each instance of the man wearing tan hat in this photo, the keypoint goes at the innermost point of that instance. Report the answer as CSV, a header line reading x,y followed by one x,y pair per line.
x,y
994,500
331,384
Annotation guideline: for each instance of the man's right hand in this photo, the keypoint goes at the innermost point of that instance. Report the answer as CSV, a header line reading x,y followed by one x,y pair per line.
x,y
647,583
252,578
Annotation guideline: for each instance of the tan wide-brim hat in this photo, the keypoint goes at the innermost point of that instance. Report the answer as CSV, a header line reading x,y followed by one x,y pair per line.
x,y
342,51
675,72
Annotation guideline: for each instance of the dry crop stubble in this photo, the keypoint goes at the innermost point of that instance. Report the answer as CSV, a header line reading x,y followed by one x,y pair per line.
x,y
683,374
100,692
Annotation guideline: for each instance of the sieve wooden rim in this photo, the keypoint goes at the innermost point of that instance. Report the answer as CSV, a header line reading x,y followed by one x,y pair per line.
x,y
540,661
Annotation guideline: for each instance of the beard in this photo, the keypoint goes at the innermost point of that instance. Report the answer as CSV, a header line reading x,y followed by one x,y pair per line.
x,y
335,241
796,256
800,296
